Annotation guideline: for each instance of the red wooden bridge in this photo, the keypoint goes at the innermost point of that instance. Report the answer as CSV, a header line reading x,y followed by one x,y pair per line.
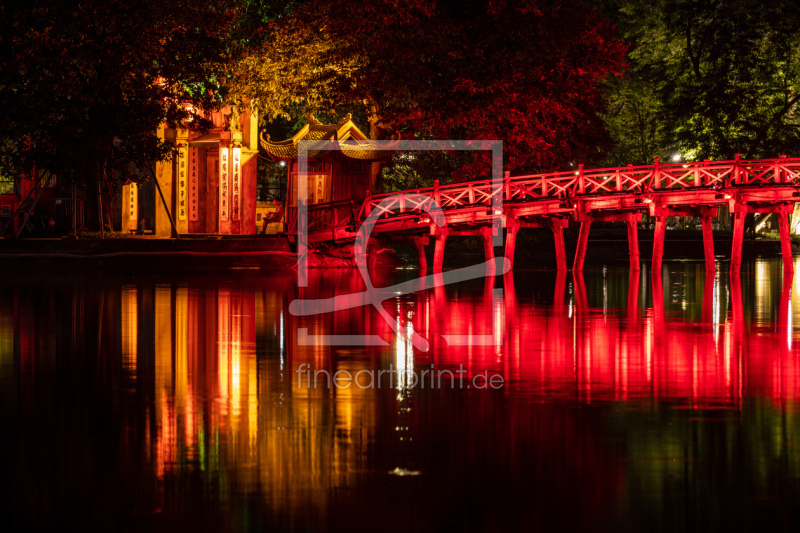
x,y
551,200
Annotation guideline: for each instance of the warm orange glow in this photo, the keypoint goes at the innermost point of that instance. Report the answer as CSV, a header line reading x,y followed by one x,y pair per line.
x,y
194,189
133,205
164,391
236,183
183,201
129,330
223,347
224,183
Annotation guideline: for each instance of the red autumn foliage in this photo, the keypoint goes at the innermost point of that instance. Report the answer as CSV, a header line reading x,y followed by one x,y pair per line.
x,y
527,72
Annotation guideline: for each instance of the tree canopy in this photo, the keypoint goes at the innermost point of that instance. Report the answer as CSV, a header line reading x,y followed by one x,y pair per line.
x,y
527,72
84,86
707,79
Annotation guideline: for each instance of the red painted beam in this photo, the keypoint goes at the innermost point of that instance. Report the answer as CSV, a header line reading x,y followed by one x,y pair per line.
x,y
583,241
511,244
708,244
786,244
658,244
633,244
438,249
421,257
736,247
561,251
488,246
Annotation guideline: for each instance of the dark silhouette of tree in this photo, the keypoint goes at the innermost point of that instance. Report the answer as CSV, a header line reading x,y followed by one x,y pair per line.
x,y
707,79
83,86
527,72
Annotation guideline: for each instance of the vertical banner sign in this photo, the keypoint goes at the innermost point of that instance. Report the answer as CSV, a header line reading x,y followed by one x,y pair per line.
x,y
223,184
319,193
182,157
133,203
236,182
193,189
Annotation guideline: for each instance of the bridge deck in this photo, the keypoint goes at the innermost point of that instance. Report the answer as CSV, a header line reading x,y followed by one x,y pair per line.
x,y
622,193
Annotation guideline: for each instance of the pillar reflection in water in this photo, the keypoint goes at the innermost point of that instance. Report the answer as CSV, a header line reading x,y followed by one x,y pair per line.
x,y
215,367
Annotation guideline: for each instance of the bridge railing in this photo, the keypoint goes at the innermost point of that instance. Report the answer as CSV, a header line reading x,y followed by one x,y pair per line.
x,y
561,185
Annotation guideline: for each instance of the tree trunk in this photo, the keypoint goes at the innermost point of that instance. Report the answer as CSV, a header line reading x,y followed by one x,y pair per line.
x,y
376,133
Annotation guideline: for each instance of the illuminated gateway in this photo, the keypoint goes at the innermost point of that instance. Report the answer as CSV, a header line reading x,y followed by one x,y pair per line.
x,y
340,175
210,186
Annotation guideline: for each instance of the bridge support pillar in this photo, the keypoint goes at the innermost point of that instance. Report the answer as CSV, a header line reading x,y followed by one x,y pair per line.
x,y
660,212
422,259
556,224
583,241
658,244
738,237
438,249
633,243
741,207
488,247
586,219
561,251
708,244
511,243
786,244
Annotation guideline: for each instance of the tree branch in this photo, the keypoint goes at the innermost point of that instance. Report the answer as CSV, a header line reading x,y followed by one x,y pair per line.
x,y
769,125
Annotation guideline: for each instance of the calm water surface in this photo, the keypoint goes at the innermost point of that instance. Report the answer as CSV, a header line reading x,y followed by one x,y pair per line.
x,y
153,403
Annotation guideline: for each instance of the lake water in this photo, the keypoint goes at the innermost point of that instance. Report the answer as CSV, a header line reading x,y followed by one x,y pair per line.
x,y
606,402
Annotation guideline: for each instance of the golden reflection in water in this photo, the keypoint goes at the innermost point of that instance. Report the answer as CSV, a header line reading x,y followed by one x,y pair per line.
x,y
129,330
7,330
164,392
228,409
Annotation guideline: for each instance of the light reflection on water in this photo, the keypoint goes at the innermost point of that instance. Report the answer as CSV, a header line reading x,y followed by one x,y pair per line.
x,y
628,403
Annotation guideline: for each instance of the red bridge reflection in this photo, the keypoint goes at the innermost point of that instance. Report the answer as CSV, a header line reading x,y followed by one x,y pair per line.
x,y
678,338
201,375
686,339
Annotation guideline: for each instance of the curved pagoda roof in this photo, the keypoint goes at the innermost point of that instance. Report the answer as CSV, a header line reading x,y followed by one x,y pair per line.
x,y
350,141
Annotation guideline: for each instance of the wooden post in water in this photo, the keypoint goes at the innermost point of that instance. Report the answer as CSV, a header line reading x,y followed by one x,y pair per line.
x,y
511,244
561,251
488,247
658,244
438,249
633,244
738,237
421,257
708,244
786,243
583,240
